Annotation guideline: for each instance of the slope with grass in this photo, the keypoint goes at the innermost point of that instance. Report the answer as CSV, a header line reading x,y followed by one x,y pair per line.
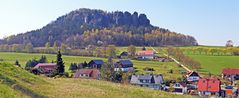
x,y
18,83
159,67
215,64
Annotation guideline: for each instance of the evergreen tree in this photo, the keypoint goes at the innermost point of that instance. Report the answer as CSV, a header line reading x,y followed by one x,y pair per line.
x,y
43,59
73,67
60,69
17,63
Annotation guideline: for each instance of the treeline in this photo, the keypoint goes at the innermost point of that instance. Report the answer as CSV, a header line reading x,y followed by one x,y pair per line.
x,y
84,27
91,50
212,51
109,36
179,55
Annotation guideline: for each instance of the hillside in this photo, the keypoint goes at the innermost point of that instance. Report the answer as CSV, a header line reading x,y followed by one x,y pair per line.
x,y
18,83
159,67
84,27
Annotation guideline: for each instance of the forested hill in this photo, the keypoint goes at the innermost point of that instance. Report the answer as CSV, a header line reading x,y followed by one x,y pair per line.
x,y
84,27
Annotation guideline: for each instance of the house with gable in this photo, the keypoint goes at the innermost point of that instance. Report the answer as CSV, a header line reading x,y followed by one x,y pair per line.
x,y
192,76
209,87
44,68
87,73
153,81
95,64
230,73
146,55
124,55
124,65
180,88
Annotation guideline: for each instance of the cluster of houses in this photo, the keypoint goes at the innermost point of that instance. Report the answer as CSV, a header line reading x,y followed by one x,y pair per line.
x,y
194,84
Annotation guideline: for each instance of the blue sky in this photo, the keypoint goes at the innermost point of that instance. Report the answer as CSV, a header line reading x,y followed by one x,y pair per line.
x,y
211,22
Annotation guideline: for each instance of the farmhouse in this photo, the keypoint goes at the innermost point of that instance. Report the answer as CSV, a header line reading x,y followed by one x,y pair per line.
x,y
95,64
124,65
180,88
209,86
146,55
230,73
153,81
124,55
192,76
88,74
44,68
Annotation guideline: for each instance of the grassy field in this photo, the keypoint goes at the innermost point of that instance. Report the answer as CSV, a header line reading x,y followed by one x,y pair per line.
x,y
159,67
30,85
215,64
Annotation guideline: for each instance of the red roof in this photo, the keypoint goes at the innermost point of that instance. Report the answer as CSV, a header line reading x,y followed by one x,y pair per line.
x,y
209,85
46,67
230,71
93,73
146,52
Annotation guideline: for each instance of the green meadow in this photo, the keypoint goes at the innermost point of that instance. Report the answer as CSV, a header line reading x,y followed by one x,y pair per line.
x,y
15,82
159,67
215,64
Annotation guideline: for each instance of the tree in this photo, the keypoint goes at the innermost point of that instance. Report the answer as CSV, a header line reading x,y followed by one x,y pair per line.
x,y
47,45
43,59
17,63
132,51
60,69
30,64
56,46
29,47
111,51
229,43
73,67
64,48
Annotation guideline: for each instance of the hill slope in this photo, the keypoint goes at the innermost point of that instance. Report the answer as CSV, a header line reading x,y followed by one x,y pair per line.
x,y
16,82
79,27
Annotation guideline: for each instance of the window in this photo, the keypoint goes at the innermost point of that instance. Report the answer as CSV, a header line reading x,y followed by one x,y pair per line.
x,y
141,81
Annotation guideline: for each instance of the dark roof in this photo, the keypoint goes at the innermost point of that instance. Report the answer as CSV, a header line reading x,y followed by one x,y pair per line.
x,y
125,62
145,77
98,62
124,54
192,73
157,78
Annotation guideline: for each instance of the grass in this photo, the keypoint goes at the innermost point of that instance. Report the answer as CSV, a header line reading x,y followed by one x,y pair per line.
x,y
215,64
11,76
159,67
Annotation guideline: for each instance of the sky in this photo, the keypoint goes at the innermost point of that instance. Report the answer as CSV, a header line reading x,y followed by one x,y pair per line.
x,y
211,22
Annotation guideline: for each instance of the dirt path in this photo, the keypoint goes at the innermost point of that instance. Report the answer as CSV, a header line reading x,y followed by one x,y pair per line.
x,y
176,61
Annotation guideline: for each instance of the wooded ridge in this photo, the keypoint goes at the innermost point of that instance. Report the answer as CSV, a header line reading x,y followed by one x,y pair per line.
x,y
84,27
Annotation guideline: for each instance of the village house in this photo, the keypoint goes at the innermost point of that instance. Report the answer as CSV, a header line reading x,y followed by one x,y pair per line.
x,y
192,76
153,81
124,55
230,74
146,55
124,65
209,87
44,68
87,73
95,64
180,88
228,91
